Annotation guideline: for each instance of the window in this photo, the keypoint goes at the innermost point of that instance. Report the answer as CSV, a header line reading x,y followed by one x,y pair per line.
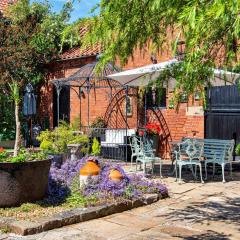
x,y
156,98
129,106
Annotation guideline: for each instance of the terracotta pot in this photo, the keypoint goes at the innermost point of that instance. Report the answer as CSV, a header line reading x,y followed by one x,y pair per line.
x,y
90,169
115,175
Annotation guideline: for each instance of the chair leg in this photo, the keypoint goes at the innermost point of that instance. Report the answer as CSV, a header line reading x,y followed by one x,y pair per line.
x,y
205,165
136,164
200,170
231,171
193,173
144,169
152,168
176,170
180,173
131,160
160,168
223,175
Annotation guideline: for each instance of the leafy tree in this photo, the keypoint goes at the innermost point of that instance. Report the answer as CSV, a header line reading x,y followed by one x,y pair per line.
x,y
210,30
31,37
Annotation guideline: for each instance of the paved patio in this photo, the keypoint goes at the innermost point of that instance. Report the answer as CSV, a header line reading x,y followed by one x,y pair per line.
x,y
193,211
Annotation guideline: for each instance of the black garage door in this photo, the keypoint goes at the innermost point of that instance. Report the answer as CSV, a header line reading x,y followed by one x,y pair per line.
x,y
222,116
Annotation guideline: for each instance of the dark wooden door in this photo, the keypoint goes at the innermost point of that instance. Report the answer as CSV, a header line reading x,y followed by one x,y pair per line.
x,y
222,116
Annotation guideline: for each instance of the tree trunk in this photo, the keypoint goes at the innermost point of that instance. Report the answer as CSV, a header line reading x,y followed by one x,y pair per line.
x,y
18,130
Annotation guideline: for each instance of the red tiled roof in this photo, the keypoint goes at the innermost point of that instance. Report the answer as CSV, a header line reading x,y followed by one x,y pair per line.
x,y
5,3
77,52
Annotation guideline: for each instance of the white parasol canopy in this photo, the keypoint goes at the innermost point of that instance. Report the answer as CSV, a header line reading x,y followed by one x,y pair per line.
x,y
144,75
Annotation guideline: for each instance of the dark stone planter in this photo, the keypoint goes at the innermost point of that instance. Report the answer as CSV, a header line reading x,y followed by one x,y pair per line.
x,y
57,159
154,141
23,182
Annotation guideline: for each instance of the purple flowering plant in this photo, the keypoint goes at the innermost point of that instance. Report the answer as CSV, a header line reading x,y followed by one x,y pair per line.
x,y
63,185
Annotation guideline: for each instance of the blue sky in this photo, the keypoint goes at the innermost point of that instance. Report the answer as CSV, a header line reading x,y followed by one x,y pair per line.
x,y
81,8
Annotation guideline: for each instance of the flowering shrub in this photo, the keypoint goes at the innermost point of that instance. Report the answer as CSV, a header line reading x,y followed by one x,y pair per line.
x,y
153,128
1,149
63,185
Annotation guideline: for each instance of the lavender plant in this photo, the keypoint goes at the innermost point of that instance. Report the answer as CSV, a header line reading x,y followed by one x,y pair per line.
x,y
63,185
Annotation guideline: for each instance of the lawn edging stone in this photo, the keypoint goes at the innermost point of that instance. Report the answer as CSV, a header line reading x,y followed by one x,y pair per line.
x,y
73,216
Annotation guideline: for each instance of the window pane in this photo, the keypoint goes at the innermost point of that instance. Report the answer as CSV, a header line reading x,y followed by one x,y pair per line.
x,y
156,98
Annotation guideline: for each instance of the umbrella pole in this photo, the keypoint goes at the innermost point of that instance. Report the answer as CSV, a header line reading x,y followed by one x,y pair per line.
x,y
126,89
80,107
58,88
145,108
88,120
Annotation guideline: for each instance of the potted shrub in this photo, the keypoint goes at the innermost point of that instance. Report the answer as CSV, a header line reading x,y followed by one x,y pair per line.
x,y
56,142
23,178
98,128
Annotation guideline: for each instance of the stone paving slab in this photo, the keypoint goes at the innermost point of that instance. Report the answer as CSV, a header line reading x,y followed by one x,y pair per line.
x,y
105,229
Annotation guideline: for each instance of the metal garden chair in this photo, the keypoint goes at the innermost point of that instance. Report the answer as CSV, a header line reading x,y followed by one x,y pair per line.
x,y
144,154
189,153
136,147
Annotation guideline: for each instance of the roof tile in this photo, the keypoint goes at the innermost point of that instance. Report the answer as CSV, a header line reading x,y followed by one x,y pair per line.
x,y
77,52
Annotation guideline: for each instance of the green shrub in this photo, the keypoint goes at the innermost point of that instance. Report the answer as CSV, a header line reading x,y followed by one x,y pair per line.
x,y
96,147
56,141
99,122
23,156
238,150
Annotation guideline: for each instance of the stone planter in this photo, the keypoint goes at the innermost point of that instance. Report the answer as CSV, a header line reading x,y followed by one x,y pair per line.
x,y
23,182
57,159
75,151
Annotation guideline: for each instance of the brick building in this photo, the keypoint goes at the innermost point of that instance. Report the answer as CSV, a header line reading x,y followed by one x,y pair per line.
x,y
105,103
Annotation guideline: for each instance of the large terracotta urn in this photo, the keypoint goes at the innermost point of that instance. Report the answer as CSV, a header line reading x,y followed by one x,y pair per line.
x,y
115,175
90,169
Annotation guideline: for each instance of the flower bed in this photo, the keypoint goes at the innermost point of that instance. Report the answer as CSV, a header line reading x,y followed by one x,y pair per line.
x,y
64,184
64,191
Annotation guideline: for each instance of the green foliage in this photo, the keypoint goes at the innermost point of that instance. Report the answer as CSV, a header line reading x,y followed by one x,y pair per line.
x,y
76,198
237,150
56,141
98,122
3,155
207,28
96,147
7,123
23,156
76,123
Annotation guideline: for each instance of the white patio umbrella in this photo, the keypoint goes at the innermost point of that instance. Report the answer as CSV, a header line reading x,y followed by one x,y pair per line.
x,y
144,75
